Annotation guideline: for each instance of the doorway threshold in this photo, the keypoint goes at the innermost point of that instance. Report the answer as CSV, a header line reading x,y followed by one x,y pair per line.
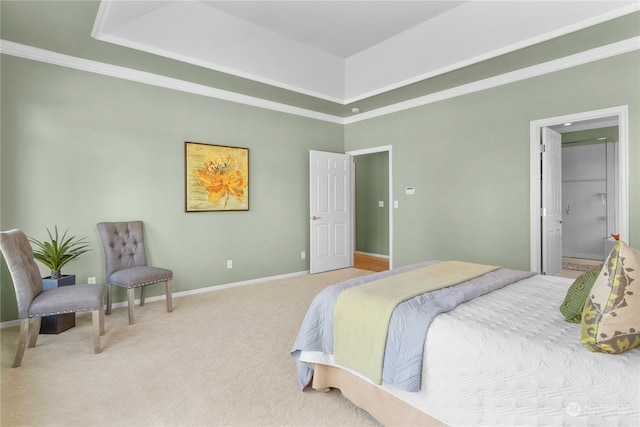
x,y
574,267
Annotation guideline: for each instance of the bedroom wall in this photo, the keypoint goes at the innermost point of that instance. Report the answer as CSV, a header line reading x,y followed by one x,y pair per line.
x,y
468,158
80,148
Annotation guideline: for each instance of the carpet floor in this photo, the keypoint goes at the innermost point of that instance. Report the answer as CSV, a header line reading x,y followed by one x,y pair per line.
x,y
220,358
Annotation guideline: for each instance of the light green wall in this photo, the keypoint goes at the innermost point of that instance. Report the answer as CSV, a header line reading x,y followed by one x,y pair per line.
x,y
372,186
468,158
80,148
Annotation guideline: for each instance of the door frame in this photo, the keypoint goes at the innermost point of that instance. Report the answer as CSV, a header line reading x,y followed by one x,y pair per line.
x,y
535,168
373,150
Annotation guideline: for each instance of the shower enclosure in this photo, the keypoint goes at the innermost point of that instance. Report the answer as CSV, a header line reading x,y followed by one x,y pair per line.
x,y
588,198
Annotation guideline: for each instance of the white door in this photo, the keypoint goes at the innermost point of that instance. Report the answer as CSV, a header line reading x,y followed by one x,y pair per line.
x,y
330,211
551,202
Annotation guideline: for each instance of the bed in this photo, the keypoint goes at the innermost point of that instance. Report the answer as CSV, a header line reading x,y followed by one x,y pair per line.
x,y
505,357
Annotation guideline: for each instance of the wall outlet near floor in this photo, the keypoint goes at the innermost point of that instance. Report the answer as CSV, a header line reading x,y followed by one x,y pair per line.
x,y
229,263
91,280
303,255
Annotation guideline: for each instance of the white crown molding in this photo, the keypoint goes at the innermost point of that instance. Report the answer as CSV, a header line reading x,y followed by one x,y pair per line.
x,y
100,32
413,71
581,58
215,67
42,55
617,13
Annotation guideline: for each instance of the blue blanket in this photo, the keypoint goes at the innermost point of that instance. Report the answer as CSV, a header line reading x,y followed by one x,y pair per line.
x,y
407,328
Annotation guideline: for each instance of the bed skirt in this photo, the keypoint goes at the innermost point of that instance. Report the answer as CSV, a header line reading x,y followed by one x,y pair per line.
x,y
384,407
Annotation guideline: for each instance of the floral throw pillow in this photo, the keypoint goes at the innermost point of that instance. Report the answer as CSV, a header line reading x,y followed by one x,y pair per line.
x,y
611,315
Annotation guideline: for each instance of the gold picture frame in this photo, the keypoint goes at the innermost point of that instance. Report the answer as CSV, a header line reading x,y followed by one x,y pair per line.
x,y
216,178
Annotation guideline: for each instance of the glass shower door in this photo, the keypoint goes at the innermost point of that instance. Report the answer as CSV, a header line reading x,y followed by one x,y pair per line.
x,y
584,196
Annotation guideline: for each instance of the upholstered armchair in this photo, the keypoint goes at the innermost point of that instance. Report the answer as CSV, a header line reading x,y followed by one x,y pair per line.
x,y
34,303
126,263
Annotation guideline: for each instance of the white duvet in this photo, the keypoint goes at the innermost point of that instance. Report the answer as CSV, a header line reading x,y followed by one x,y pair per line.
x,y
509,358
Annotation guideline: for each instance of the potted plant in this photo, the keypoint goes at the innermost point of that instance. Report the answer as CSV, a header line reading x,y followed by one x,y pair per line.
x,y
55,253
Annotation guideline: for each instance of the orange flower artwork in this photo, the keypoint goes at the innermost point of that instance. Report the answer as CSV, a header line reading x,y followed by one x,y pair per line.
x,y
217,177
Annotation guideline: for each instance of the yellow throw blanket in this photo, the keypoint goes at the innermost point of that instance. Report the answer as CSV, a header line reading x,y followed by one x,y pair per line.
x,y
362,313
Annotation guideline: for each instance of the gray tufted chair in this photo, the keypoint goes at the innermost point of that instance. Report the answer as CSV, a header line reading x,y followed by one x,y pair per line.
x,y
34,303
126,262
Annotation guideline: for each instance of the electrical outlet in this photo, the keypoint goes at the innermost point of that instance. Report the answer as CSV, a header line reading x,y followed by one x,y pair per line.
x,y
303,255
91,280
229,263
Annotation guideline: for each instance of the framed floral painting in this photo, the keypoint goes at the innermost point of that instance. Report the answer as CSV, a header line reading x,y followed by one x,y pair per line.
x,y
217,178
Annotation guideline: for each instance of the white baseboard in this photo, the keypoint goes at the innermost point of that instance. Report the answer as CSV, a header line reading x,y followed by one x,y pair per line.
x,y
213,288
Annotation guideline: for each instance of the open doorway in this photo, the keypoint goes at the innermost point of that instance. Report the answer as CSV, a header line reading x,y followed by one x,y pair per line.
x,y
589,151
595,180
332,208
372,210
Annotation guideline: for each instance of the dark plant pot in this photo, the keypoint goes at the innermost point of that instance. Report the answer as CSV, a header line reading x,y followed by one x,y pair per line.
x,y
59,322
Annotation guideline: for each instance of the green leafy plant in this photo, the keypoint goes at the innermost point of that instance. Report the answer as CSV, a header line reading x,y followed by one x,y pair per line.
x,y
57,252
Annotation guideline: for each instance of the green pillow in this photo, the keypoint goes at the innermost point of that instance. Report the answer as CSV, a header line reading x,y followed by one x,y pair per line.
x,y
577,294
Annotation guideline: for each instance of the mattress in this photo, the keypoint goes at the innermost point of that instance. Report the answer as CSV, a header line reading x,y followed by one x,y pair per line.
x,y
509,358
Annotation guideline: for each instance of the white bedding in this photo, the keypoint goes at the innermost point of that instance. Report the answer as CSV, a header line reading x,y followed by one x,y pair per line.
x,y
509,358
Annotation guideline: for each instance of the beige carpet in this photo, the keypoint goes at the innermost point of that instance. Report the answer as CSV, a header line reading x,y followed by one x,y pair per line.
x,y
220,359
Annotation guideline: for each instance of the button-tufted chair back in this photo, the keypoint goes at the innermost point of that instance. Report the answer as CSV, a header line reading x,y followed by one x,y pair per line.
x,y
24,272
126,263
123,244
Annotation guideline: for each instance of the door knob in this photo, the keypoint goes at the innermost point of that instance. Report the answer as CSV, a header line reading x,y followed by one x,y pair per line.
x,y
315,217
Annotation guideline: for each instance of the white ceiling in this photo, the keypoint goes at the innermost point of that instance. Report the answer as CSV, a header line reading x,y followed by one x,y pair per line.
x,y
597,123
342,28
342,51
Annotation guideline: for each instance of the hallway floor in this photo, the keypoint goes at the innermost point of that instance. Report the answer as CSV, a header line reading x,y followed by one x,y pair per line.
x,y
574,267
370,262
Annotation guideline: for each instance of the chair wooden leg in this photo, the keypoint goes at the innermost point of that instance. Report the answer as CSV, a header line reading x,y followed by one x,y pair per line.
x,y
141,296
169,297
95,317
101,321
130,295
109,298
22,342
35,330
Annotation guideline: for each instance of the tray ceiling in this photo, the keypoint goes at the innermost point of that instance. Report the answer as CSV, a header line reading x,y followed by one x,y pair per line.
x,y
342,51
